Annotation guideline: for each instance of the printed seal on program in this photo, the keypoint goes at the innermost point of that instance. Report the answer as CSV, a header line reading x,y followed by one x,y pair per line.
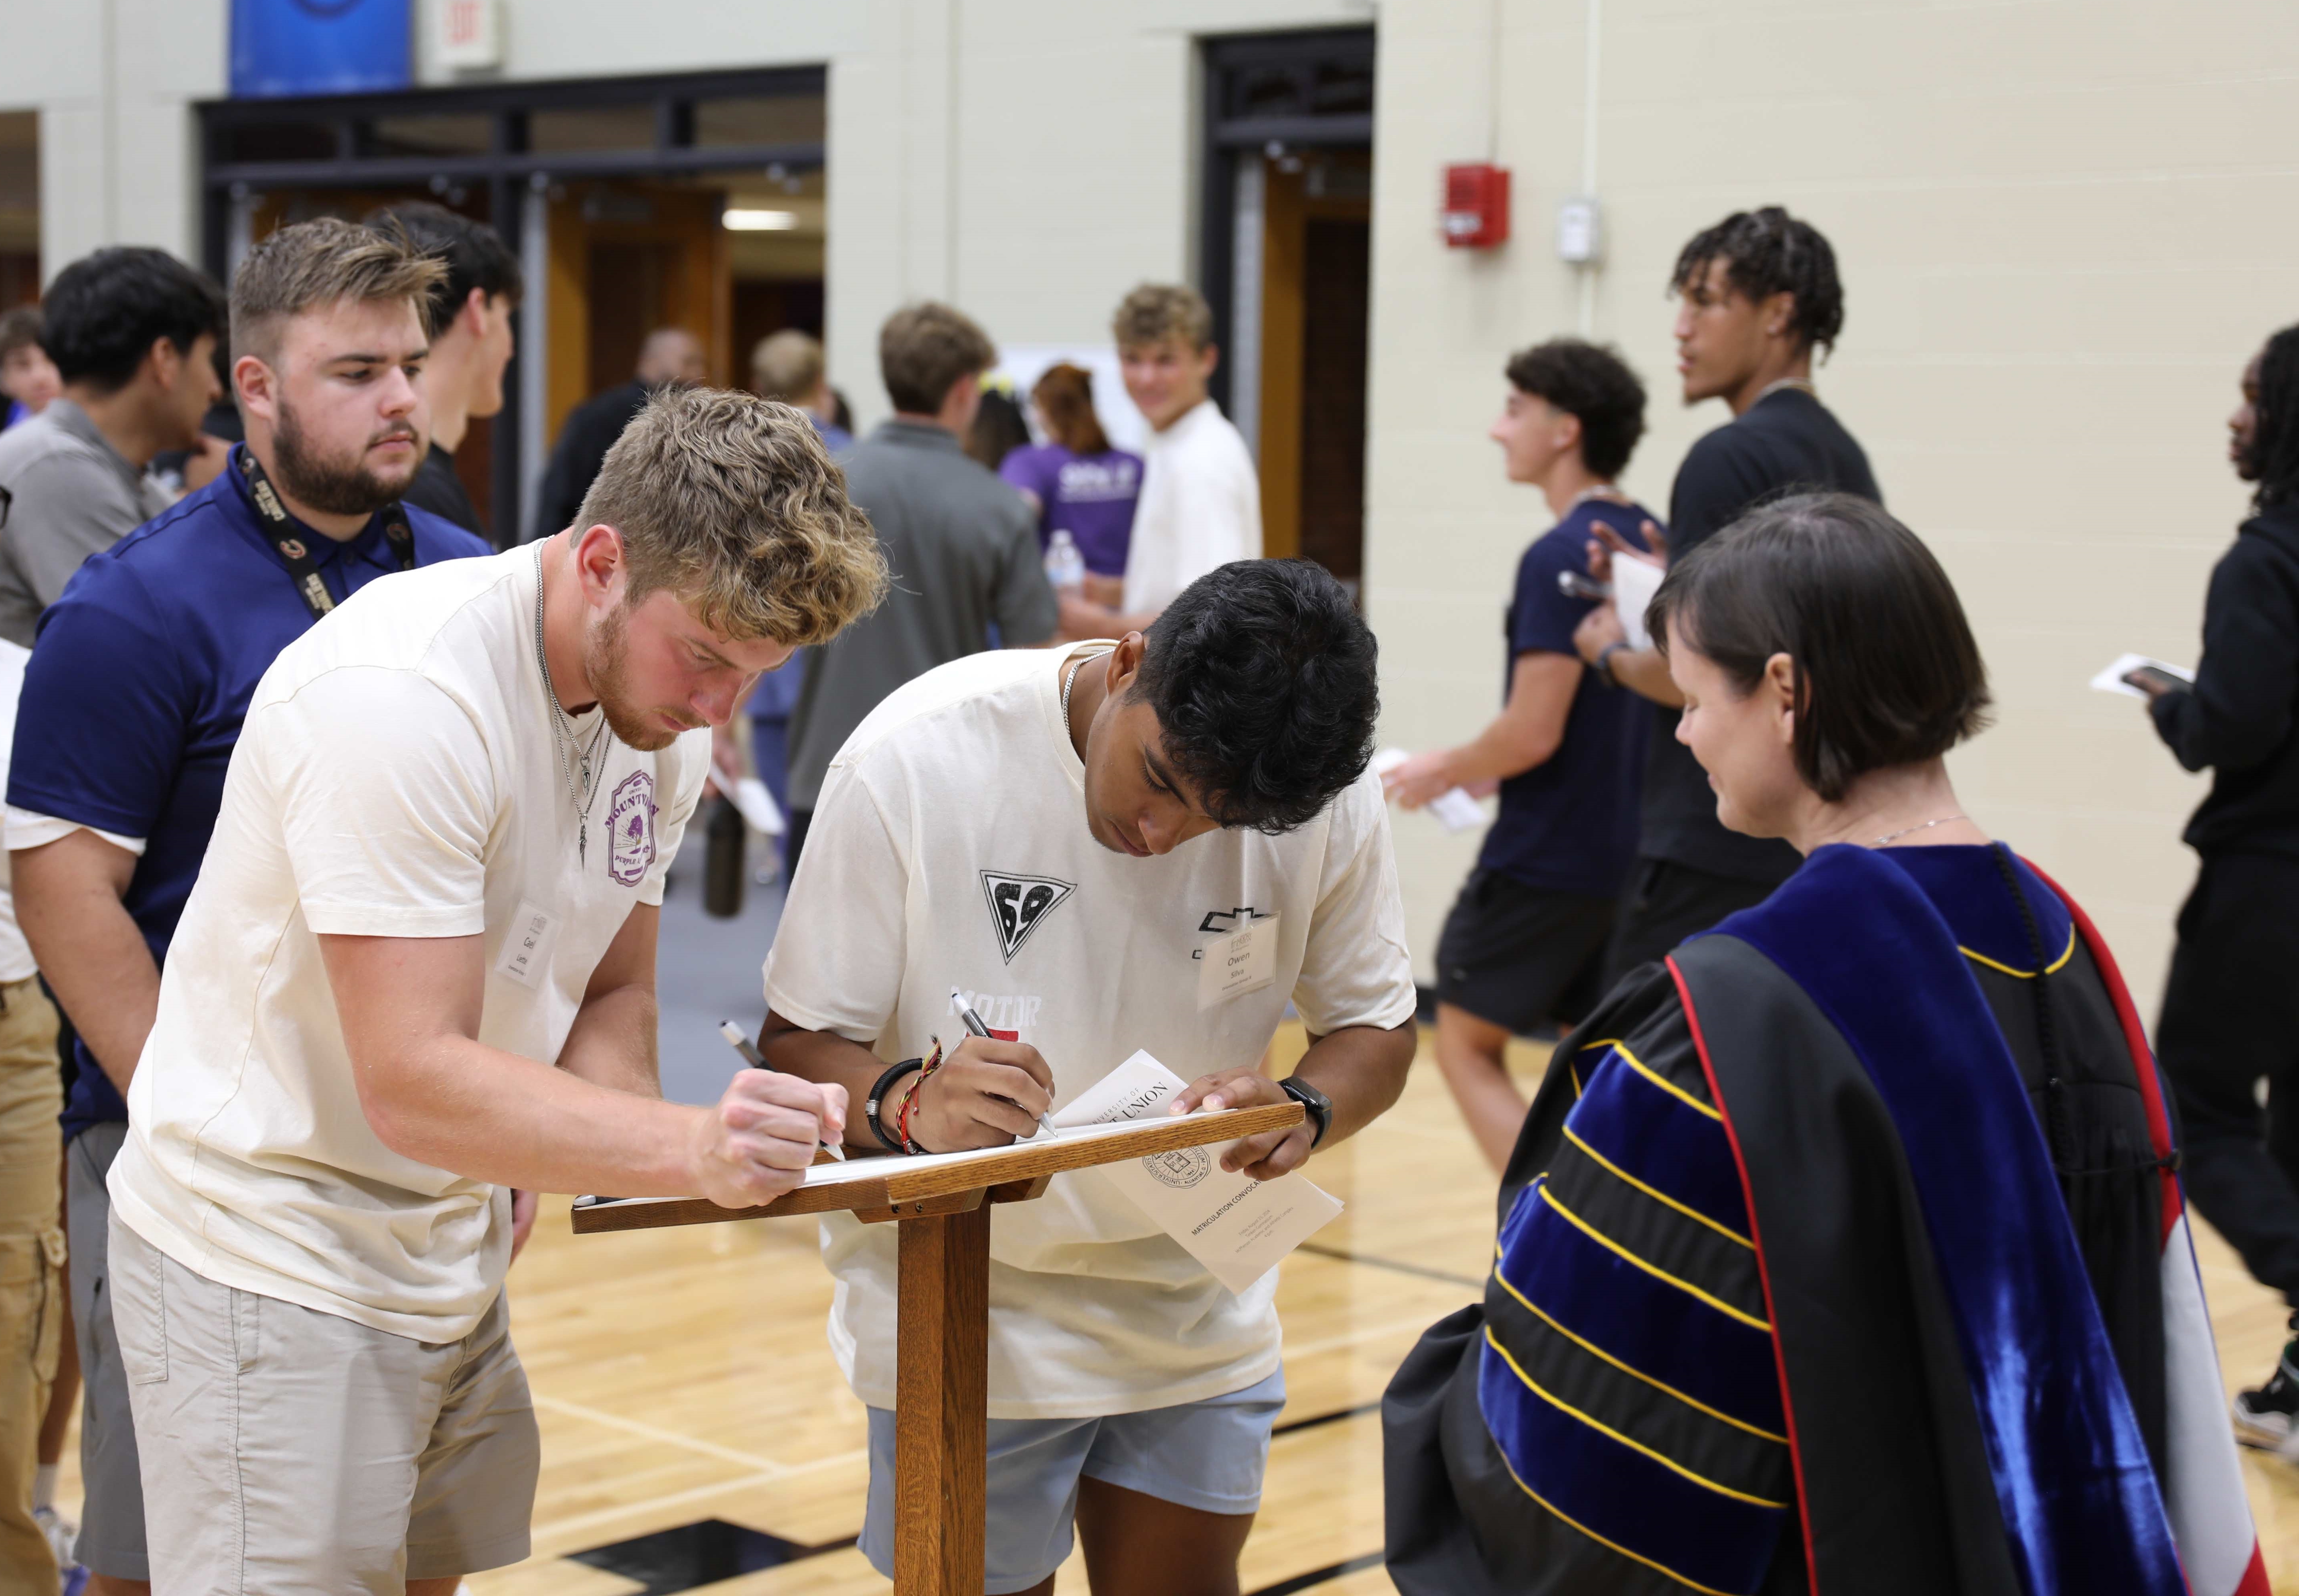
x,y
1181,1169
630,830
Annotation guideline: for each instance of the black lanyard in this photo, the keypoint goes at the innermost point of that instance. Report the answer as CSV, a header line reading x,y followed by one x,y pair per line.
x,y
280,527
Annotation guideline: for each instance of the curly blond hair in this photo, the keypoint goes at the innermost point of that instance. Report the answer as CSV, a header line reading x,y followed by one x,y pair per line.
x,y
1156,314
731,502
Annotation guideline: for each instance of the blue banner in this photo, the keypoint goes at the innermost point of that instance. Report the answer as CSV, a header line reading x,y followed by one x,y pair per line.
x,y
320,46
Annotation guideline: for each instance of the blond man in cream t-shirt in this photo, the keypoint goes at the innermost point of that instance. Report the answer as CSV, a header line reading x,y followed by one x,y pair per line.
x,y
1064,836
418,972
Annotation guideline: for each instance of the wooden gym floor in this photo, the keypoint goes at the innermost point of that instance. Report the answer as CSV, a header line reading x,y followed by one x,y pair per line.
x,y
682,1376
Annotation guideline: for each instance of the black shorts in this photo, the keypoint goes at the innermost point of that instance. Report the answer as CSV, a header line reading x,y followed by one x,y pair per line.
x,y
1520,956
1667,902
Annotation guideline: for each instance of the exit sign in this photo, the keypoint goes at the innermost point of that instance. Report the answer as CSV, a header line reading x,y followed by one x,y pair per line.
x,y
466,33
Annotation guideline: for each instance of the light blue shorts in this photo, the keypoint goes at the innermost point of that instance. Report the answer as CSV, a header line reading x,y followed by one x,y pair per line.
x,y
1208,1455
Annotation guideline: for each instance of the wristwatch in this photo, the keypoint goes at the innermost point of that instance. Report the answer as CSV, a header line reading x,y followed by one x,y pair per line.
x,y
1604,662
1319,1106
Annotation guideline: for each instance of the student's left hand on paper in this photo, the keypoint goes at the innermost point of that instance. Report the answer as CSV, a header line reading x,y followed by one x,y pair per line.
x,y
1263,1157
523,1207
1417,779
1598,630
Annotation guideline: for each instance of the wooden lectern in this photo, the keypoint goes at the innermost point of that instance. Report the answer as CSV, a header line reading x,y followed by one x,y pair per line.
x,y
942,1324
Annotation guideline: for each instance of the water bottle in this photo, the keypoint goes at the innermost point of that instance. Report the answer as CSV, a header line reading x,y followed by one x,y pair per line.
x,y
1065,565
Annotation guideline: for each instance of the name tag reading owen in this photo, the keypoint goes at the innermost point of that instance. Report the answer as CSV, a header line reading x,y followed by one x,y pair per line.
x,y
527,946
1245,961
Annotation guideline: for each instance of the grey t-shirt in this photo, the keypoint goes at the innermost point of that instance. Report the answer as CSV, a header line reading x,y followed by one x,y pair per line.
x,y
963,548
70,494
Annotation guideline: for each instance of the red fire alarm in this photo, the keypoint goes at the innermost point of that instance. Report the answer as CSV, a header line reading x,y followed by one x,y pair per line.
x,y
1476,215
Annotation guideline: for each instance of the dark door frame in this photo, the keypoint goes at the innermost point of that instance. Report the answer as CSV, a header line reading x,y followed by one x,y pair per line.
x,y
506,168
1309,89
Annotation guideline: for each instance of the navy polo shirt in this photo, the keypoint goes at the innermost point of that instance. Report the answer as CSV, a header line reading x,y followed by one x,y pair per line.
x,y
140,678
1569,824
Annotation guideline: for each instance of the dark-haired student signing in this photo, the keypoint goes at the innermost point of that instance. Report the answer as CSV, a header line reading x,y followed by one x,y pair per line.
x,y
1066,835
1842,1251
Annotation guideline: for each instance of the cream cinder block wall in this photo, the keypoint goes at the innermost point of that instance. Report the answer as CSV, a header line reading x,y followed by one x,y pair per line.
x,y
2062,230
113,81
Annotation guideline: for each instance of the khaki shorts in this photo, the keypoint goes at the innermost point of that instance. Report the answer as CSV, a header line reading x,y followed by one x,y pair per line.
x,y
32,1269
285,1449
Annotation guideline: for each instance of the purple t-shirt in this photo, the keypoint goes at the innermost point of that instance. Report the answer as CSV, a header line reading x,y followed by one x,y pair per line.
x,y
1089,496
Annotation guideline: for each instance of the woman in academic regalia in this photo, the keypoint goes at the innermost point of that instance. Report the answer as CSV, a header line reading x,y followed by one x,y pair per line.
x,y
1842,1251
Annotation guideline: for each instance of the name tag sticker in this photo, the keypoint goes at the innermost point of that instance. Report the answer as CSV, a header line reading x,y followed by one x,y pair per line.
x,y
1245,961
527,947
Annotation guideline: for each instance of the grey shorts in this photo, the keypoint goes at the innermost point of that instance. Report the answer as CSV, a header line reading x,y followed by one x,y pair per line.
x,y
111,1523
1208,1455
289,1450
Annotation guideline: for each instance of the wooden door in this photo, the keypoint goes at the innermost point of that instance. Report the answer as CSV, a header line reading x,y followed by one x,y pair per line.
x,y
1316,299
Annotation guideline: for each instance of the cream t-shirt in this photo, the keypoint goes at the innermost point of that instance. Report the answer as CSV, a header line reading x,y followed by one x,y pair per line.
x,y
1201,507
950,849
397,776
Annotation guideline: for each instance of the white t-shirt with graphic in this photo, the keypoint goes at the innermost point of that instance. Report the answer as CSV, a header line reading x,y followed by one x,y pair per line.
x,y
950,848
397,776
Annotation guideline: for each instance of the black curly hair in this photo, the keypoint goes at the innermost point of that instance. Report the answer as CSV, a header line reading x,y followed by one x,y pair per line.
x,y
1769,251
2274,455
1262,676
1590,383
106,310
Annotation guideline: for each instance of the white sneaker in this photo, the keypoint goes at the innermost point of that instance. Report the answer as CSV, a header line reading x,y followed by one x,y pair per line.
x,y
63,1534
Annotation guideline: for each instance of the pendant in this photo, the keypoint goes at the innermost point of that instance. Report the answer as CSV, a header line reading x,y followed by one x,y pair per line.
x,y
581,842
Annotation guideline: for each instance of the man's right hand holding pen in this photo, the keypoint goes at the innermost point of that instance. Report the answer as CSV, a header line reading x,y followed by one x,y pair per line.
x,y
987,1094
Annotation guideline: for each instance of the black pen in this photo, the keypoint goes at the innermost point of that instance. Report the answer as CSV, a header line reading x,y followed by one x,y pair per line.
x,y
751,1056
974,1023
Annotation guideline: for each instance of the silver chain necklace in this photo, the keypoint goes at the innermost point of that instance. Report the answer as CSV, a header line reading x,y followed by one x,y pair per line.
x,y
1906,831
576,759
1070,680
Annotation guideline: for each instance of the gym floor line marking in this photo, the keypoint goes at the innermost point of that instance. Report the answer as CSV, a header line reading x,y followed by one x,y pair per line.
x,y
1344,1256
1318,1577
725,1454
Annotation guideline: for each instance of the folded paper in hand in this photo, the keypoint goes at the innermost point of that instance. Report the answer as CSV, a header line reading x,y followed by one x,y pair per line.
x,y
1238,1228
1454,805
1634,583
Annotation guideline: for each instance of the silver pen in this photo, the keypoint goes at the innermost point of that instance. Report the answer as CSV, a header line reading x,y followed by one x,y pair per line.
x,y
974,1023
741,1044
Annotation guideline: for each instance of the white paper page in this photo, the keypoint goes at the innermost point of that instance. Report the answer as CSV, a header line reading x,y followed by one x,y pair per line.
x,y
1238,1228
876,1169
1634,583
2111,679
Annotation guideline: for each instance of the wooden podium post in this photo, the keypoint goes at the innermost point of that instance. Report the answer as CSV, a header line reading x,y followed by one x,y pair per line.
x,y
942,1331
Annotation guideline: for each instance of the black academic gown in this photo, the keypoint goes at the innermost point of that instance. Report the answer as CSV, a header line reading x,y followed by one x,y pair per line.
x,y
1833,1256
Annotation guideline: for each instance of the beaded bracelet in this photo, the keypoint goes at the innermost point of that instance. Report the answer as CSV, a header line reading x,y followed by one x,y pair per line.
x,y
933,1061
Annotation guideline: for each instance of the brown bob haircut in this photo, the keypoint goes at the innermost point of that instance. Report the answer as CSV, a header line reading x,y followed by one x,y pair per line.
x,y
1886,672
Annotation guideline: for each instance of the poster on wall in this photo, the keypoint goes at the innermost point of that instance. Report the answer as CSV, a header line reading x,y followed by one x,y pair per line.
x,y
282,47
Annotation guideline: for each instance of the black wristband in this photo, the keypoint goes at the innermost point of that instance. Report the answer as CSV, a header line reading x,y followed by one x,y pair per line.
x,y
885,1083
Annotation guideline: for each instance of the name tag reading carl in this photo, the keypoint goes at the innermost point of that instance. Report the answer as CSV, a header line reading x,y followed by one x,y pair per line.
x,y
527,946
1245,961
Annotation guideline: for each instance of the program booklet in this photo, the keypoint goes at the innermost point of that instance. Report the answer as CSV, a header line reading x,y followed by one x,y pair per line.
x,y
1238,1228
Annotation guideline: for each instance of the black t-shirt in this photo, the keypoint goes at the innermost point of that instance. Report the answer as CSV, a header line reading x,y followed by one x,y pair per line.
x,y
1787,443
1569,824
437,489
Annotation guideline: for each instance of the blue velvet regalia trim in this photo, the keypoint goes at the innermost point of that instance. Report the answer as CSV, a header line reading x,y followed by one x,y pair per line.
x,y
2079,1499
1680,1345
